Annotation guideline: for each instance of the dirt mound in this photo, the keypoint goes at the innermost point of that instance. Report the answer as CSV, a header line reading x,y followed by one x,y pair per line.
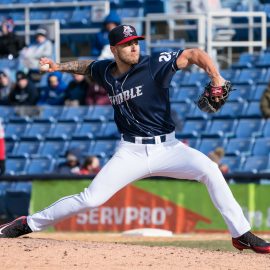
x,y
45,253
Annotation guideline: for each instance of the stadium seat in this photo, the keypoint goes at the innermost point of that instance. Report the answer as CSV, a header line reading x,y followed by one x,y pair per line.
x,y
26,149
16,166
100,113
185,94
37,131
259,89
53,148
40,166
194,79
10,145
253,110
3,212
75,114
246,60
247,128
195,113
180,110
254,164
261,147
263,60
247,76
6,112
109,131
234,163
192,128
209,144
232,109
85,146
220,128
266,129
104,148
88,130
49,113
22,186
241,92
62,131
228,74
239,146
13,131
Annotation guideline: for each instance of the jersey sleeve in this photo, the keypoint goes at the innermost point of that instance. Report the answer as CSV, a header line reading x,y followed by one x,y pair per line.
x,y
163,66
97,70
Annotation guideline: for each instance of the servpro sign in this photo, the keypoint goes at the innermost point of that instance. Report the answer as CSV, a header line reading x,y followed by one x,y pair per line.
x,y
133,208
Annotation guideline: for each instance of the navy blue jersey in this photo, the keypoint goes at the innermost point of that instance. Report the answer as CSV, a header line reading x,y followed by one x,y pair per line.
x,y
140,97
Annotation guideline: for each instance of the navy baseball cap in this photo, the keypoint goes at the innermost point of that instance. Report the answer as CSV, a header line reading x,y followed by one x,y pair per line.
x,y
122,34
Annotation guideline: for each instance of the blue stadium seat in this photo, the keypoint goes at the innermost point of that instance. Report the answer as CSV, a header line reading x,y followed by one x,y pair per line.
x,y
37,131
17,203
26,149
228,74
253,110
246,60
53,148
3,212
75,114
104,148
16,166
195,113
22,186
192,128
185,94
180,110
239,146
100,113
264,60
220,128
247,76
62,131
49,113
232,109
261,147
40,166
80,16
6,112
247,128
10,145
88,130
266,129
265,76
194,79
85,146
109,131
241,93
209,144
254,164
259,89
234,163
13,131
39,15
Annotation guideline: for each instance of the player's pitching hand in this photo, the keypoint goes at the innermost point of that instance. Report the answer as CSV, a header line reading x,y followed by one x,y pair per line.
x,y
47,65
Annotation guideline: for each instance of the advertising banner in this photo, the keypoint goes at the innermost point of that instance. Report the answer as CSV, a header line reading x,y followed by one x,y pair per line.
x,y
179,206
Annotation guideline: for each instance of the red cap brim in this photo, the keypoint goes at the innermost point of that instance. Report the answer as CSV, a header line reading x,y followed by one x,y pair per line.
x,y
125,40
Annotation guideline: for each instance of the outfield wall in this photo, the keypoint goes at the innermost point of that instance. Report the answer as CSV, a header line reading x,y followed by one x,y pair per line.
x,y
179,206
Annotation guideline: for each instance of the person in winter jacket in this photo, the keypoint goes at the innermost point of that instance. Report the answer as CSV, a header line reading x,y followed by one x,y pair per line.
x,y
5,88
72,163
54,93
24,91
76,91
101,39
10,43
265,102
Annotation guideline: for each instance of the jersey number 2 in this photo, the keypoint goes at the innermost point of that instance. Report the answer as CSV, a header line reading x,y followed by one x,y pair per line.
x,y
165,56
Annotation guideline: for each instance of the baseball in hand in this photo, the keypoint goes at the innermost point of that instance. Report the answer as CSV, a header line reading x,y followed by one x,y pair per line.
x,y
44,67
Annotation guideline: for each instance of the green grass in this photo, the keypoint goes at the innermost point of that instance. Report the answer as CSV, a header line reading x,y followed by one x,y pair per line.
x,y
217,245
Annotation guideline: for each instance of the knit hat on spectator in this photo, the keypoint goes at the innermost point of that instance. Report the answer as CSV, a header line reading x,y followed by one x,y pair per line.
x,y
21,75
41,32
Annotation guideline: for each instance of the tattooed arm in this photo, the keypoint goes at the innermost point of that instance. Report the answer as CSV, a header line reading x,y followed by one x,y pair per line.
x,y
77,67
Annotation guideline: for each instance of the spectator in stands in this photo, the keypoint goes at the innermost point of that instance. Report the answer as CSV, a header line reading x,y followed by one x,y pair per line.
x,y
42,47
265,102
96,95
54,93
216,155
5,88
90,166
72,163
10,43
100,46
76,91
2,149
24,91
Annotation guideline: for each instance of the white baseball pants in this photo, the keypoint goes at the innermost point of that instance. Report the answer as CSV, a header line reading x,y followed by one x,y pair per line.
x,y
134,161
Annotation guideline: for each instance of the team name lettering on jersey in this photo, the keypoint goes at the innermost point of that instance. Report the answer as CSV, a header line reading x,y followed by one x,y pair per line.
x,y
126,95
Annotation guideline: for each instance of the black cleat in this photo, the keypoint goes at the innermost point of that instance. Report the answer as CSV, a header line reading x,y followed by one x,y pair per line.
x,y
251,241
15,228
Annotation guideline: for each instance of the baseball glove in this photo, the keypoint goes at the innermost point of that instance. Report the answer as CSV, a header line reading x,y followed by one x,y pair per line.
x,y
214,97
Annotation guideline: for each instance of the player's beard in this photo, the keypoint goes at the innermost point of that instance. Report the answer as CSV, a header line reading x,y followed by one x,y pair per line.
x,y
129,60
